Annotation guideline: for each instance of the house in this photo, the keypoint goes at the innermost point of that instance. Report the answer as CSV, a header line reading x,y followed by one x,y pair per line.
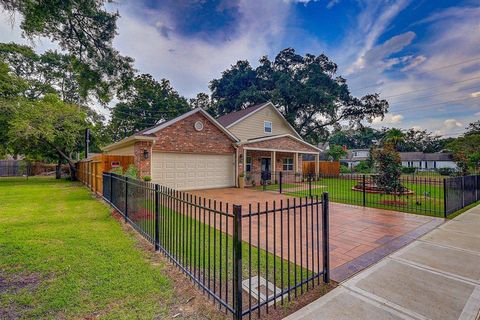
x,y
196,151
420,160
354,156
427,161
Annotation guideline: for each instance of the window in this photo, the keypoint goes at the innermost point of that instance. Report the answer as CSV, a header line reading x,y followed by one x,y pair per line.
x,y
249,164
287,164
267,126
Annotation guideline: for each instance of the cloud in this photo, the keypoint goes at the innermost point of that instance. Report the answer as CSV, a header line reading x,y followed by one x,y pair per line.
x,y
332,3
475,94
452,123
389,118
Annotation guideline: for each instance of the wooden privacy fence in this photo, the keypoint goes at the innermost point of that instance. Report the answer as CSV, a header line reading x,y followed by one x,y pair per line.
x,y
325,167
90,170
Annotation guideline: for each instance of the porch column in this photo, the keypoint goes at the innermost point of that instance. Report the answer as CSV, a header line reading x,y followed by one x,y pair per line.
x,y
274,163
317,165
295,162
244,161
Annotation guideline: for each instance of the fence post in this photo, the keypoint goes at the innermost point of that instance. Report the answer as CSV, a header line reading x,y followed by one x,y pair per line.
x,y
157,207
237,254
280,180
463,191
364,190
111,188
445,198
310,184
125,214
325,237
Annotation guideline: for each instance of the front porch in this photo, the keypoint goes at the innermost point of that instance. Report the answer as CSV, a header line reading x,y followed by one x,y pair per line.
x,y
261,160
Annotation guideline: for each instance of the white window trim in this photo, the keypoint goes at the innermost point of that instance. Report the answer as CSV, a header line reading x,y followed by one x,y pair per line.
x,y
248,163
264,126
287,164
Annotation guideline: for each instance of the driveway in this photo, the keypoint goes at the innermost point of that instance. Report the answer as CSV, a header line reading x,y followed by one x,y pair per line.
x,y
435,277
359,236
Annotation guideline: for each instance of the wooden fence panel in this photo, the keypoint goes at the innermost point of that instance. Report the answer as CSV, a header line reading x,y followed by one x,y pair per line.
x,y
325,167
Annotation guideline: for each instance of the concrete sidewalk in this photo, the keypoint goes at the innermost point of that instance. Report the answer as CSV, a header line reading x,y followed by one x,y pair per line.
x,y
435,277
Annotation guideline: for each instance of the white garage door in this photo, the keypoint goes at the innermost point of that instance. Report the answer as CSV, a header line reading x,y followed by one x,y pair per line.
x,y
182,171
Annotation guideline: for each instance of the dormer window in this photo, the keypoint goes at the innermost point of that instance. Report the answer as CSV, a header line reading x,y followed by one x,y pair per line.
x,y
267,126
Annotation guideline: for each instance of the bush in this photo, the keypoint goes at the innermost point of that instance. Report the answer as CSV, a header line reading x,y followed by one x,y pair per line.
x,y
117,170
344,169
131,172
389,168
446,171
147,178
408,170
363,167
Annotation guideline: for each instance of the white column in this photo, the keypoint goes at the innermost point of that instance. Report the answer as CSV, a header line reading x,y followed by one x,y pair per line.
x,y
317,165
274,162
295,162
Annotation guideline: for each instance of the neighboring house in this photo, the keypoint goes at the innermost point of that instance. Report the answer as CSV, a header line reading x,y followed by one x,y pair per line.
x,y
420,160
196,151
354,156
427,161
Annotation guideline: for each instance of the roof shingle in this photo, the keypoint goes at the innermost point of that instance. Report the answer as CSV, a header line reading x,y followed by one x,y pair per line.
x,y
231,117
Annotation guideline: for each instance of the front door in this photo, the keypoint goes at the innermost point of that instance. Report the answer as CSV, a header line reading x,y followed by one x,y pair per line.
x,y
266,165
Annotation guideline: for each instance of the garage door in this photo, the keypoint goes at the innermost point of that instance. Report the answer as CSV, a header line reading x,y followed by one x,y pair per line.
x,y
182,171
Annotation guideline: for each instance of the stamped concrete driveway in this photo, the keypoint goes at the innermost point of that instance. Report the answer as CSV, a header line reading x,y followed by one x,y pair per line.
x,y
435,277
359,236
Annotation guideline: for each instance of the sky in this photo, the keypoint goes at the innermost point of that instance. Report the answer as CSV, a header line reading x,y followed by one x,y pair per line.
x,y
422,56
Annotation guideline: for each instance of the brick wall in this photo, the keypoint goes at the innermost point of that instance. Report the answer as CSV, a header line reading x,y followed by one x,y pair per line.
x,y
143,165
182,137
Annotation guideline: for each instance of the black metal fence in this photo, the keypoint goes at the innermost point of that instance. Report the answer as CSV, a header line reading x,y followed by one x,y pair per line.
x,y
14,168
435,196
461,192
248,259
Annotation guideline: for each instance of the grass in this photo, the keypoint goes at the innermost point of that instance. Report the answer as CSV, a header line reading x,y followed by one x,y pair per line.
x,y
64,256
427,198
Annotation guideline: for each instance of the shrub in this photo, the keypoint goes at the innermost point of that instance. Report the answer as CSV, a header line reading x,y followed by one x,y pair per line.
x,y
344,169
117,170
131,172
446,171
363,167
389,168
409,170
147,178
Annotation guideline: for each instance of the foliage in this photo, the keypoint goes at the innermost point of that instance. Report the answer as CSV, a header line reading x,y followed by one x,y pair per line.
x,y
117,170
131,172
419,140
147,178
473,128
46,128
83,28
409,170
344,169
389,169
10,84
446,171
466,151
359,138
146,103
363,167
336,152
305,89
394,137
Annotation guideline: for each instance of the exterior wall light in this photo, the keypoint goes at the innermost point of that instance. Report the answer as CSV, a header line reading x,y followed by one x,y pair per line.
x,y
145,154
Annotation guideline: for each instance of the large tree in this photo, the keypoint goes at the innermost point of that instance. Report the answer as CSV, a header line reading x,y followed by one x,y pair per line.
x,y
46,128
473,128
83,28
466,151
305,89
145,104
356,138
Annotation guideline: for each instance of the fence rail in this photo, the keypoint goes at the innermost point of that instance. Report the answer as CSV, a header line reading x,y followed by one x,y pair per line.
x,y
422,195
248,259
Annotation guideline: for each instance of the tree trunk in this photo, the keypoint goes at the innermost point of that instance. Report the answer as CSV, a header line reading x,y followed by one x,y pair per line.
x,y
58,170
73,171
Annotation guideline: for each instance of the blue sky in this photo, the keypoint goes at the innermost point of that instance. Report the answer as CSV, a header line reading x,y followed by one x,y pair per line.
x,y
422,56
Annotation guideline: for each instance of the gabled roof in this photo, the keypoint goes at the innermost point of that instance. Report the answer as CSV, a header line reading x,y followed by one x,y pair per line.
x,y
277,137
165,124
233,118
419,156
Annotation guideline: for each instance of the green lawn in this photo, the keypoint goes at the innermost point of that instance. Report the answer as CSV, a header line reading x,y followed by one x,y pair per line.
x,y
427,197
64,256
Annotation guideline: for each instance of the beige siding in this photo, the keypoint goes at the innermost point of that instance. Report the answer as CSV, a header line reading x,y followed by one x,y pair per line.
x,y
122,151
252,127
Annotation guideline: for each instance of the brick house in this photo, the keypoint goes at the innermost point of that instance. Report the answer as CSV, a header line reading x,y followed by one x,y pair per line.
x,y
196,151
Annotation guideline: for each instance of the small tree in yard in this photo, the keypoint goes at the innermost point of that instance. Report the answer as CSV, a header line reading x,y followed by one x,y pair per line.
x,y
389,168
336,152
